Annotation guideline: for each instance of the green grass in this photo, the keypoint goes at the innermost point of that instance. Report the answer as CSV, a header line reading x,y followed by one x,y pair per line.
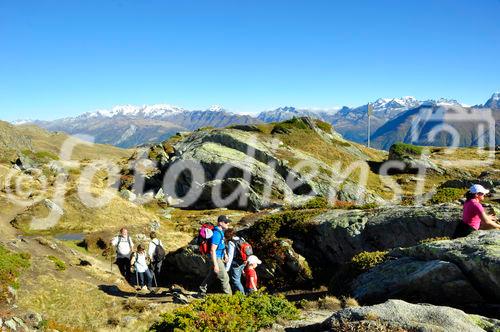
x,y
11,265
60,265
228,313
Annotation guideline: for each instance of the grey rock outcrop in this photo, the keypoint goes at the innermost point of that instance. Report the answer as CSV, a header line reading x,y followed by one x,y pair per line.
x,y
434,281
234,161
456,272
341,234
396,315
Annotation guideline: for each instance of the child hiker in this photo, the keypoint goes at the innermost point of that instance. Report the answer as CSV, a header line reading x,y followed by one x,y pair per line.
x,y
250,274
144,277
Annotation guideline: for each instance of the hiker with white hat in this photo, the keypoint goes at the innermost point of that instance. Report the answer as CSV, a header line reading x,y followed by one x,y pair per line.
x,y
474,217
250,274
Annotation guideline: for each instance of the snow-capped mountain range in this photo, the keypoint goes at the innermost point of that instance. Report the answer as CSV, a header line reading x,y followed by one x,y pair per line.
x,y
130,125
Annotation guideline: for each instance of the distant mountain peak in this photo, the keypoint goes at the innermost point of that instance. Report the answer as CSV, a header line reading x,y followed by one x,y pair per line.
x,y
133,110
402,102
216,108
494,101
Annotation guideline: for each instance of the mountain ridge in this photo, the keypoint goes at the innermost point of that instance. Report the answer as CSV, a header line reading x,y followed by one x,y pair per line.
x,y
131,125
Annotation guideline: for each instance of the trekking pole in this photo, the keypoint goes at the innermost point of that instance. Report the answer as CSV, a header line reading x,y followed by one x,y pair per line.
x,y
136,277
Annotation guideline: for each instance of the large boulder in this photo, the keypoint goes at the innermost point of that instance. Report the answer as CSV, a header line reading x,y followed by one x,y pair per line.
x,y
186,265
463,271
477,255
397,315
232,160
341,234
434,281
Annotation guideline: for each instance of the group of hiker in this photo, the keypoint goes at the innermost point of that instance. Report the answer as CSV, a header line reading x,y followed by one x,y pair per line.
x,y
230,257
228,262
145,265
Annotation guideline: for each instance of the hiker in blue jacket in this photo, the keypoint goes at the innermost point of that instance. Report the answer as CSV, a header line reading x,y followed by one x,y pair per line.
x,y
217,257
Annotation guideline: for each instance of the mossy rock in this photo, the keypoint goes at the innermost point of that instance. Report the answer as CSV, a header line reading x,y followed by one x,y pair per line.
x,y
399,151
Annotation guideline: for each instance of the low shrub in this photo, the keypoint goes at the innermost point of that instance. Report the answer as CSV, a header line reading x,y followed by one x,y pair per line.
x,y
367,260
318,202
446,195
11,265
228,313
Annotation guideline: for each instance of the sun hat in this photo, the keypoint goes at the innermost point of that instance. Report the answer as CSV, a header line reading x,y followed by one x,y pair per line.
x,y
478,189
253,260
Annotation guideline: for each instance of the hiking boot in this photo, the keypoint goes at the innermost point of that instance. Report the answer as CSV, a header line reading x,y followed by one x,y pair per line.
x,y
138,288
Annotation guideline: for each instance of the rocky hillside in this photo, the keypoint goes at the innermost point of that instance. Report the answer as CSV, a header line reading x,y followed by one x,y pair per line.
x,y
12,140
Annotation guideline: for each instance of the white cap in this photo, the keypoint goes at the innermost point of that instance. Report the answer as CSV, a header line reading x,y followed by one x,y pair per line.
x,y
253,260
477,188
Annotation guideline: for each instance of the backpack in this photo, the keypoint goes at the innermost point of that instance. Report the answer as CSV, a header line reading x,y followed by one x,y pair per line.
x,y
159,253
204,238
244,249
120,240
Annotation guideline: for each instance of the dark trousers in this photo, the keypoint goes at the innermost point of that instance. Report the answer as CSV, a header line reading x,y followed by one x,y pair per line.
x,y
124,267
156,267
463,230
145,278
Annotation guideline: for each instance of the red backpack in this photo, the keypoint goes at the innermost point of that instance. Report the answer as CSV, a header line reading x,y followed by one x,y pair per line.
x,y
204,238
244,249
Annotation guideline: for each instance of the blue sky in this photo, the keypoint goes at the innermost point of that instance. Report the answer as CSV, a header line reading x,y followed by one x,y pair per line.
x,y
63,58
